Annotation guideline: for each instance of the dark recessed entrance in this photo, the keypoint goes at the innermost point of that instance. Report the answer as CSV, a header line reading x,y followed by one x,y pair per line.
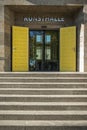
x,y
44,52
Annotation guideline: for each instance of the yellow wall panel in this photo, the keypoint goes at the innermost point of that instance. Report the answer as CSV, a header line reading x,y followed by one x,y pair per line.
x,y
20,41
68,49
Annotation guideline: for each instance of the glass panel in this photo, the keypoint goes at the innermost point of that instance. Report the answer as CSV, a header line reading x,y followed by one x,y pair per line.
x,y
43,53
48,39
38,39
51,50
38,53
36,48
32,63
48,53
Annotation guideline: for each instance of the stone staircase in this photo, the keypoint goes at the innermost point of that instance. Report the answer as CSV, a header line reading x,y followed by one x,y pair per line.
x,y
43,101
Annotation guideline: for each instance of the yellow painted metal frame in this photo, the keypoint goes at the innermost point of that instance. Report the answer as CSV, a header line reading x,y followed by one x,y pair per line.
x,y
68,49
20,49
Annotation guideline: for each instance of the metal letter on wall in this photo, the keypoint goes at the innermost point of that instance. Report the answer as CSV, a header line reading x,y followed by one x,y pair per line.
x,y
20,45
68,49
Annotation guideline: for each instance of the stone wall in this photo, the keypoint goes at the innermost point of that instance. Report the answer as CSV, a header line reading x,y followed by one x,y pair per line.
x,y
8,23
15,2
2,56
79,21
85,37
57,2
42,2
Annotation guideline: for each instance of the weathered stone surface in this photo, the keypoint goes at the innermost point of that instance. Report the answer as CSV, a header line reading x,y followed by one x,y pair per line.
x,y
57,2
9,22
85,37
41,2
2,38
15,2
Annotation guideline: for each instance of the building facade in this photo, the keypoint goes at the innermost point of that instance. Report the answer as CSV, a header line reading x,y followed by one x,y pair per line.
x,y
43,35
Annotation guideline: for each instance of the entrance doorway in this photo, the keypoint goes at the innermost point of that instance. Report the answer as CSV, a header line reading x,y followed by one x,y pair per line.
x,y
44,50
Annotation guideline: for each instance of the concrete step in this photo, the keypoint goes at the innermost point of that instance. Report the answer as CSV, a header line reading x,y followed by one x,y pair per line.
x,y
40,78
43,106
45,91
43,74
45,101
43,79
42,85
26,107
26,127
43,98
23,112
42,123
43,115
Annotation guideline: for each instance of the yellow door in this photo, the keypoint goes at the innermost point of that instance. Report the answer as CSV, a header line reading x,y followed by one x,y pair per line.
x,y
68,49
20,48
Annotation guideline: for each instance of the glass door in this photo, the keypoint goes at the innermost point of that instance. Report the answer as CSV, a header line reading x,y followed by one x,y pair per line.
x,y
36,50
51,51
43,52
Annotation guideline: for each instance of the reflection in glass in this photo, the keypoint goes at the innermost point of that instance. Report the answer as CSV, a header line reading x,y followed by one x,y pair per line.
x,y
48,38
35,47
32,63
47,53
43,54
38,38
38,53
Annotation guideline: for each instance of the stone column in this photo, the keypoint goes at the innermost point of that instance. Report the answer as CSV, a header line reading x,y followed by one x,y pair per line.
x,y
81,49
85,38
79,21
2,56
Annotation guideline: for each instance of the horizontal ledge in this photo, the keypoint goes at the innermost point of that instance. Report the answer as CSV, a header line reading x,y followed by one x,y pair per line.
x,y
42,123
44,89
44,96
24,112
43,72
44,78
44,103
42,83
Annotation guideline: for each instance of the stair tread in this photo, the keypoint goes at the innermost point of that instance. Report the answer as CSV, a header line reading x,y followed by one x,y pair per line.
x,y
43,123
46,89
44,77
49,83
45,103
21,109
44,112
48,96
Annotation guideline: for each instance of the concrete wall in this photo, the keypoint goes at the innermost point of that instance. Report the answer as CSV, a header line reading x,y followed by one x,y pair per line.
x,y
42,2
8,23
79,21
2,56
57,2
85,37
